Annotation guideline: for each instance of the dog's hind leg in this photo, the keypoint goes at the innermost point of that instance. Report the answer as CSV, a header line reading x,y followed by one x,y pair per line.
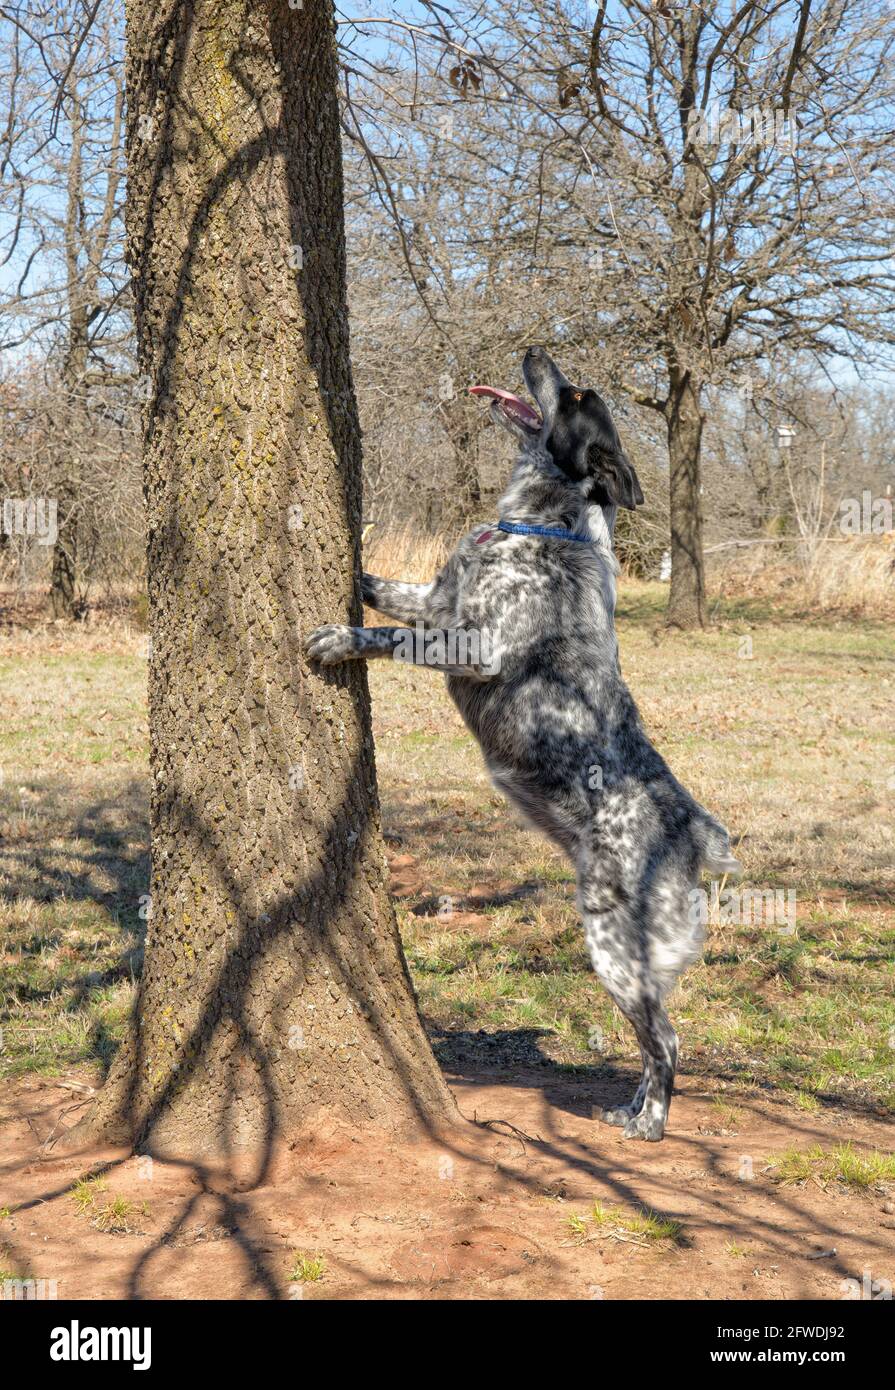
x,y
550,816
658,1041
621,1114
617,958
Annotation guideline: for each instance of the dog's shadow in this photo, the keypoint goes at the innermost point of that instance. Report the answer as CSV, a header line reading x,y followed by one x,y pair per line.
x,y
514,1056
479,901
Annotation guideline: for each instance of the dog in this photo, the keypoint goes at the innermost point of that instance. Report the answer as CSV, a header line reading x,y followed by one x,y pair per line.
x,y
559,730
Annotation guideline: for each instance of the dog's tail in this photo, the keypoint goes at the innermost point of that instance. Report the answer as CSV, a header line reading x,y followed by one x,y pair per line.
x,y
714,849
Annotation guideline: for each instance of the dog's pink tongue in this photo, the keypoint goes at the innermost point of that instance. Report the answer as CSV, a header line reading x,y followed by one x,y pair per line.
x,y
515,405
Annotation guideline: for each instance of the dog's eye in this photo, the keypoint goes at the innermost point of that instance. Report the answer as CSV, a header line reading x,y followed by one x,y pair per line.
x,y
577,395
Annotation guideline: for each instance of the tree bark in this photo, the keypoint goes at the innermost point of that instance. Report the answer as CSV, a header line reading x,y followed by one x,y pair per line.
x,y
275,991
684,421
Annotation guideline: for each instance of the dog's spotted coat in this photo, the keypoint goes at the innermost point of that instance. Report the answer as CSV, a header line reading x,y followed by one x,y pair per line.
x,y
556,723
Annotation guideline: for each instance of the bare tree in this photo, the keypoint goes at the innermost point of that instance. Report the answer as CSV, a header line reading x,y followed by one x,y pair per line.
x,y
726,166
63,298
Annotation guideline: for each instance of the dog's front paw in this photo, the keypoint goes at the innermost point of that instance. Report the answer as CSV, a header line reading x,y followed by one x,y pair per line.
x,y
330,644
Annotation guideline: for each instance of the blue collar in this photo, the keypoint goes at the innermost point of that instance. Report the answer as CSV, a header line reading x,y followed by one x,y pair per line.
x,y
557,533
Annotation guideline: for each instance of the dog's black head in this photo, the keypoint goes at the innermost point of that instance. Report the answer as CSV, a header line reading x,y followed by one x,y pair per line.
x,y
574,426
579,434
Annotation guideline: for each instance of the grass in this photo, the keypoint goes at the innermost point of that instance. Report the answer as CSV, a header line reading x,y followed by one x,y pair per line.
x,y
793,749
726,1114
85,1192
73,844
842,1164
115,1217
307,1269
847,575
643,1227
577,1224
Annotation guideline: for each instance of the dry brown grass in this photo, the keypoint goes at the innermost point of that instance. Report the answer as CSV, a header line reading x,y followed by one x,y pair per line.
x,y
847,577
842,576
858,576
406,554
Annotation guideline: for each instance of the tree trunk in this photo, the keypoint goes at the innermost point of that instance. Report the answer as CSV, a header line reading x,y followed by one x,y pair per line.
x,y
63,573
275,990
684,421
85,263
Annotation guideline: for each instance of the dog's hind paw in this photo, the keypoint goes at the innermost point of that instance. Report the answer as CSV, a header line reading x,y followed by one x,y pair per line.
x,y
644,1126
330,644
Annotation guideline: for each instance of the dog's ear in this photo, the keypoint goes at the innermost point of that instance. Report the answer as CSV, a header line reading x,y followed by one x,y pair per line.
x,y
616,475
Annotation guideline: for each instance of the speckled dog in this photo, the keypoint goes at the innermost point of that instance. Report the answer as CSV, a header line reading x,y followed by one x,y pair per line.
x,y
556,723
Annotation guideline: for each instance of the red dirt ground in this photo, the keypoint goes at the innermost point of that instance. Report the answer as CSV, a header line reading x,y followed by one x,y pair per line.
x,y
484,1217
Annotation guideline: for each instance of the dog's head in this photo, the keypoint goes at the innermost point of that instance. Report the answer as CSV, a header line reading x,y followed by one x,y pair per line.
x,y
573,425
